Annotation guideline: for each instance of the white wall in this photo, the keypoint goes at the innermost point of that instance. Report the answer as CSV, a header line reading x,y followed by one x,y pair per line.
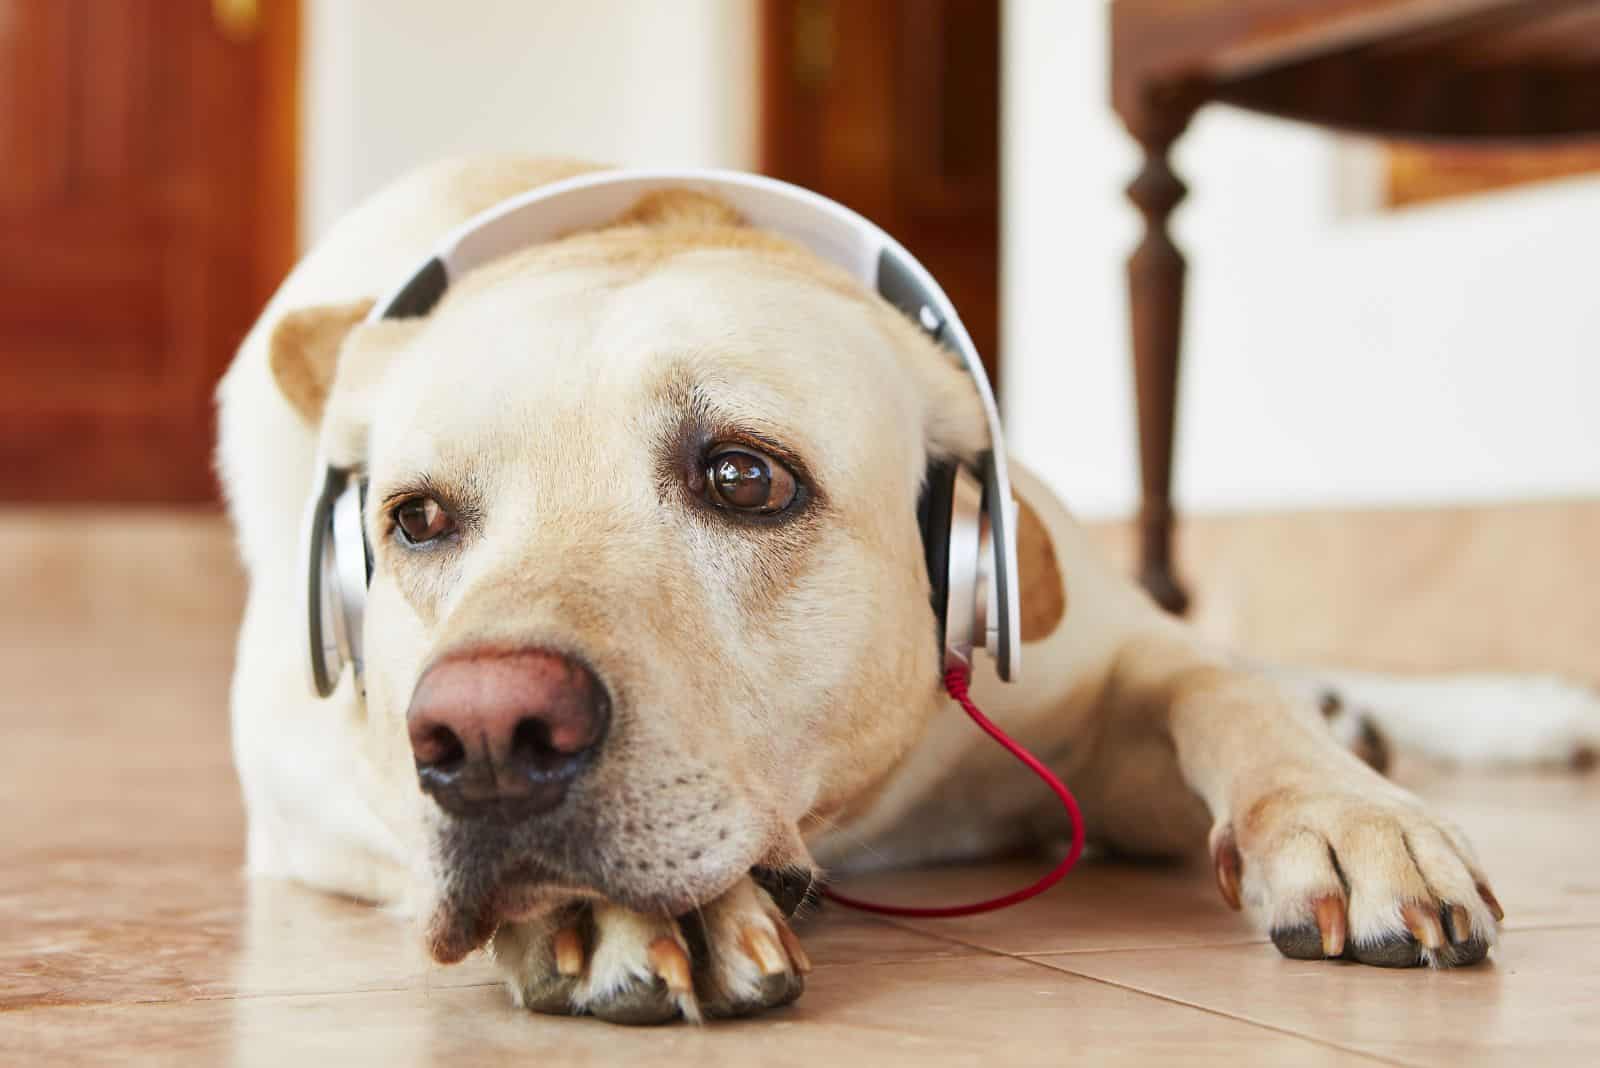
x,y
1439,354
394,83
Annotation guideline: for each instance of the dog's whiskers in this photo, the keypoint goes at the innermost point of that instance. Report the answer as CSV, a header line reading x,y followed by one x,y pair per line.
x,y
849,833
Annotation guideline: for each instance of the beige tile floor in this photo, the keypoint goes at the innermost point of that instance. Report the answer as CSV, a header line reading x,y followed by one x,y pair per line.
x,y
129,936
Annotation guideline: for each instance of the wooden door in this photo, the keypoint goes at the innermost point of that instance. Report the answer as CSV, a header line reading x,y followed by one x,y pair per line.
x,y
146,212
893,108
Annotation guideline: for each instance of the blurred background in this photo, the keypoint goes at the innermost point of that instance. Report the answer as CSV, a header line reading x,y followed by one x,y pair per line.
x,y
1390,227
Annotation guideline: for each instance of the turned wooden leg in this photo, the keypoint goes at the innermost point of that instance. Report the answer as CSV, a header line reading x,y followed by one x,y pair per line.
x,y
1155,301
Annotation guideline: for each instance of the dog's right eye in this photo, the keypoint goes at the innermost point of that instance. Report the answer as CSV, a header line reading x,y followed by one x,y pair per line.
x,y
743,480
423,519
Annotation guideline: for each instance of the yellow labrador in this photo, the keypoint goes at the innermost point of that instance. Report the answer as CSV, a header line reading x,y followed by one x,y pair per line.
x,y
656,482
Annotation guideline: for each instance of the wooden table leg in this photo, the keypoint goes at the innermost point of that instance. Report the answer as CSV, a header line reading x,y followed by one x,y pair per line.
x,y
1155,301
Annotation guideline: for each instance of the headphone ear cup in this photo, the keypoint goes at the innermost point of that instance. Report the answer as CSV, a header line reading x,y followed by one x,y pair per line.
x,y
338,564
320,582
934,510
352,566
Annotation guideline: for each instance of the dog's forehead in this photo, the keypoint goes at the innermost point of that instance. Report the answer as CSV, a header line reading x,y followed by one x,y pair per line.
x,y
588,348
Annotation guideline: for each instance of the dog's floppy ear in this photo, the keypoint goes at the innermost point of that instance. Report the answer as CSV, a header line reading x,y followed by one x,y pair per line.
x,y
1044,591
303,350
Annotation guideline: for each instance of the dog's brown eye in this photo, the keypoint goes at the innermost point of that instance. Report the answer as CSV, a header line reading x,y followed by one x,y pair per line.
x,y
748,481
423,519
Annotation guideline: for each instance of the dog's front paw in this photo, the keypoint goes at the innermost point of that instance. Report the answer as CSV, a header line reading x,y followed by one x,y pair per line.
x,y
1372,878
734,957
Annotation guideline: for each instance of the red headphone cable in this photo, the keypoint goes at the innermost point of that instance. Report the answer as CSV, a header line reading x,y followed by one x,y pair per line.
x,y
956,682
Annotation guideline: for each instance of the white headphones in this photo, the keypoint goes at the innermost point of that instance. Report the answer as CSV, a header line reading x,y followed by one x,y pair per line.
x,y
967,516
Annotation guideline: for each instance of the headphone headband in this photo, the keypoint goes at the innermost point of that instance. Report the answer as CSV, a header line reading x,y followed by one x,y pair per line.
x,y
828,229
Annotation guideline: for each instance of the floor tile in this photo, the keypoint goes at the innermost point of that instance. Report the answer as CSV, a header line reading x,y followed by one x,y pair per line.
x,y
1537,1003
986,1011
837,938
1099,905
1533,834
127,929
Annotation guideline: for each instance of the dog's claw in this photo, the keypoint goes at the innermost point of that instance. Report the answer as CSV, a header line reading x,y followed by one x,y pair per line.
x,y
1329,911
1321,940
797,952
671,963
1459,922
1493,902
760,947
1390,951
1229,867
568,944
1423,924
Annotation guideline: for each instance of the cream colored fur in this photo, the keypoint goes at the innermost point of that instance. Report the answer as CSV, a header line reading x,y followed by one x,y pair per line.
x,y
777,691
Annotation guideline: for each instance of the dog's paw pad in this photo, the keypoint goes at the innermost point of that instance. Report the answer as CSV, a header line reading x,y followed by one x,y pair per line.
x,y
1444,938
1300,942
653,999
1390,951
1317,940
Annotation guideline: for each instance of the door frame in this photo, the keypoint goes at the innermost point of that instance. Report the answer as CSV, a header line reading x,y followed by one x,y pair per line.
x,y
278,125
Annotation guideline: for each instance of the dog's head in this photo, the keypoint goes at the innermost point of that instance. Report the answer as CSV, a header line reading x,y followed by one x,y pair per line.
x,y
648,589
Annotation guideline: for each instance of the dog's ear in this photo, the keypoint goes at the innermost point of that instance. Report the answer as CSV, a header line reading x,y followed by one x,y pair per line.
x,y
1044,590
303,351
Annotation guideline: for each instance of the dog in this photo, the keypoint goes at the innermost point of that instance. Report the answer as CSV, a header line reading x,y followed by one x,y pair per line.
x,y
642,514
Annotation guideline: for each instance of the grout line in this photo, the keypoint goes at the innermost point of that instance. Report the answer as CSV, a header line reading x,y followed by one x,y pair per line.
x,y
947,938
1021,954
1247,1021
1276,1029
1167,946
1027,954
931,957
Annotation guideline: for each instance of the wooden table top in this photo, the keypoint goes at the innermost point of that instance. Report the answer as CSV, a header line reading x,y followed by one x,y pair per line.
x,y
1422,68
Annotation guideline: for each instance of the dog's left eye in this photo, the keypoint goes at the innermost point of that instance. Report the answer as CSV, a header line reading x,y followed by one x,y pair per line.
x,y
423,519
744,480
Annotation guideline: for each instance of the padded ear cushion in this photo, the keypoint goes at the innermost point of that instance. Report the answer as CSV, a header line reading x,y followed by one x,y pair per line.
x,y
934,508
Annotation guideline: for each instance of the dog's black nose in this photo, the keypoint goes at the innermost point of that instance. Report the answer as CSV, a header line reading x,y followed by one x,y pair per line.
x,y
501,734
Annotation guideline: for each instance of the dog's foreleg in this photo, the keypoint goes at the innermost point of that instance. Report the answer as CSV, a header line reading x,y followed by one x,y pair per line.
x,y
1333,859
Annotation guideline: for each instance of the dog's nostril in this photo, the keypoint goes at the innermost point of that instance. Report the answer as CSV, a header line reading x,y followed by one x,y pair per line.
x,y
532,747
439,748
